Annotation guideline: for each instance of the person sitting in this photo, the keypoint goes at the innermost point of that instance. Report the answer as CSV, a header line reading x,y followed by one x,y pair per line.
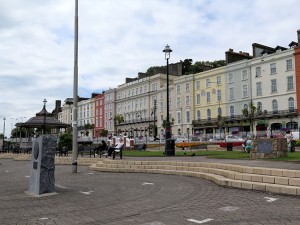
x,y
144,147
102,147
116,147
248,145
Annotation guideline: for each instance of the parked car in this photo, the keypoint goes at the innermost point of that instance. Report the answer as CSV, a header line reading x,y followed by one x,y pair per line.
x,y
180,139
232,138
212,140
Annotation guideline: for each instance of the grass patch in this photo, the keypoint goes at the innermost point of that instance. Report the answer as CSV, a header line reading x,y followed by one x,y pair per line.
x,y
292,156
212,154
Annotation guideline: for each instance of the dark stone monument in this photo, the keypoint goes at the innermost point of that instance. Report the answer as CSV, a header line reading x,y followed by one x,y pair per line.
x,y
42,179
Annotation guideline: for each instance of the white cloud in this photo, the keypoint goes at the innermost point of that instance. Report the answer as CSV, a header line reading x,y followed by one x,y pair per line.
x,y
119,38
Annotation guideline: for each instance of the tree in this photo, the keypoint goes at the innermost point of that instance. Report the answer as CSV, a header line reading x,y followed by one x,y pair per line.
x,y
103,133
249,114
201,66
65,140
25,132
164,123
88,127
152,70
186,65
117,121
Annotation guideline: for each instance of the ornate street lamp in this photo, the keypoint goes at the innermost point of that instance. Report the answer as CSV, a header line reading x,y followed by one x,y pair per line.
x,y
169,146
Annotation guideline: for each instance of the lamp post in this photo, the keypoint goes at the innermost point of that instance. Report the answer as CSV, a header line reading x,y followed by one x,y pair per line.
x,y
75,94
44,131
169,148
3,146
11,128
219,107
20,121
154,118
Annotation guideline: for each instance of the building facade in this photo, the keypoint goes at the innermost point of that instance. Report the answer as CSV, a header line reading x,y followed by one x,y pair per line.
x,y
250,95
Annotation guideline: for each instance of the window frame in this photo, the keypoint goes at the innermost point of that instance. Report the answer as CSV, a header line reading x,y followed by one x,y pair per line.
x,y
273,85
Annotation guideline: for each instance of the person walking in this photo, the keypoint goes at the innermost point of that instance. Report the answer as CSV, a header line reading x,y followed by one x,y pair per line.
x,y
289,138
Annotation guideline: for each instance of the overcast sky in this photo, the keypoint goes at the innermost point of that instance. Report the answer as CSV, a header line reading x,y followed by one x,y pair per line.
x,y
117,39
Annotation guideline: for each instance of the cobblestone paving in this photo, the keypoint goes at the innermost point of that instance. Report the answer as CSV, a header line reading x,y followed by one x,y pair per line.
x,y
96,198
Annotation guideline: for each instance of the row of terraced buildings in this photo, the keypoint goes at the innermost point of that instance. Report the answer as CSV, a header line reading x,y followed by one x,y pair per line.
x,y
207,104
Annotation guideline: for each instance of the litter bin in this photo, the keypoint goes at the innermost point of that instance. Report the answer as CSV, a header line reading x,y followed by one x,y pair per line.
x,y
170,147
229,146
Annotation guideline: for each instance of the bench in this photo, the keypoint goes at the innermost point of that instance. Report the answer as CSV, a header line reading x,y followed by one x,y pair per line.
x,y
140,147
26,150
62,151
86,149
100,151
16,150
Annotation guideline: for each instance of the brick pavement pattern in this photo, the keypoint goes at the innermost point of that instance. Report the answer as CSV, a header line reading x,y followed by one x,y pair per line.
x,y
93,198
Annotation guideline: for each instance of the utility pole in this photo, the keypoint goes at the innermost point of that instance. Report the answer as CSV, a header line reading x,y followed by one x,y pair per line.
x,y
75,93
154,117
3,134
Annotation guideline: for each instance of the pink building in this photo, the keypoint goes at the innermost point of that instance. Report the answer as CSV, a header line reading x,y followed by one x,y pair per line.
x,y
99,114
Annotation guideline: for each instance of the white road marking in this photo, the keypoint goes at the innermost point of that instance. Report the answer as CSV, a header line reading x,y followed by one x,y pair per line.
x,y
86,192
57,185
229,208
44,218
146,183
27,176
271,199
89,173
154,223
199,221
6,171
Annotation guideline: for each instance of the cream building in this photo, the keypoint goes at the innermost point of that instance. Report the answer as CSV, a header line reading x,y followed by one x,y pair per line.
x,y
274,90
136,103
86,116
109,110
182,102
209,102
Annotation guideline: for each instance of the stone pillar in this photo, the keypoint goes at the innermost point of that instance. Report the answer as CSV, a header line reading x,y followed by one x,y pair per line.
x,y
42,179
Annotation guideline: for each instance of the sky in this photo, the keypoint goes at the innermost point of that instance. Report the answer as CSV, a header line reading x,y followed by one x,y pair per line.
x,y
118,39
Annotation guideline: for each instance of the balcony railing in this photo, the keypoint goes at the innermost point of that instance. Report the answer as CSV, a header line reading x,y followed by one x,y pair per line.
x,y
139,120
237,118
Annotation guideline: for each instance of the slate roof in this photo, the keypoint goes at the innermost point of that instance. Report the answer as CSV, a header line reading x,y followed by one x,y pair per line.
x,y
43,119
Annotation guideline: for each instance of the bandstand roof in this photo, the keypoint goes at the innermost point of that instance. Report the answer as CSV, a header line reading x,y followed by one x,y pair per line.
x,y
43,119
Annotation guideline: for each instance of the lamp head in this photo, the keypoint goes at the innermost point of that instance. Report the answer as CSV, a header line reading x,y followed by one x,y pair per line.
x,y
167,51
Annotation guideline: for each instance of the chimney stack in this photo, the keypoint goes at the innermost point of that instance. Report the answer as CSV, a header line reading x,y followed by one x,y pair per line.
x,y
298,34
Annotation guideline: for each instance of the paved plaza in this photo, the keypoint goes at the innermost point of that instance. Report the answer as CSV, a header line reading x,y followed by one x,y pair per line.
x,y
93,198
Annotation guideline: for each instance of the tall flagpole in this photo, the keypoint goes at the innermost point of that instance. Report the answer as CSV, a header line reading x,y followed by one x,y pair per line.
x,y
75,93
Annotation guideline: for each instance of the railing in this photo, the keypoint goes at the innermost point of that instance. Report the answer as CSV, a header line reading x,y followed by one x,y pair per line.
x,y
236,118
139,120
